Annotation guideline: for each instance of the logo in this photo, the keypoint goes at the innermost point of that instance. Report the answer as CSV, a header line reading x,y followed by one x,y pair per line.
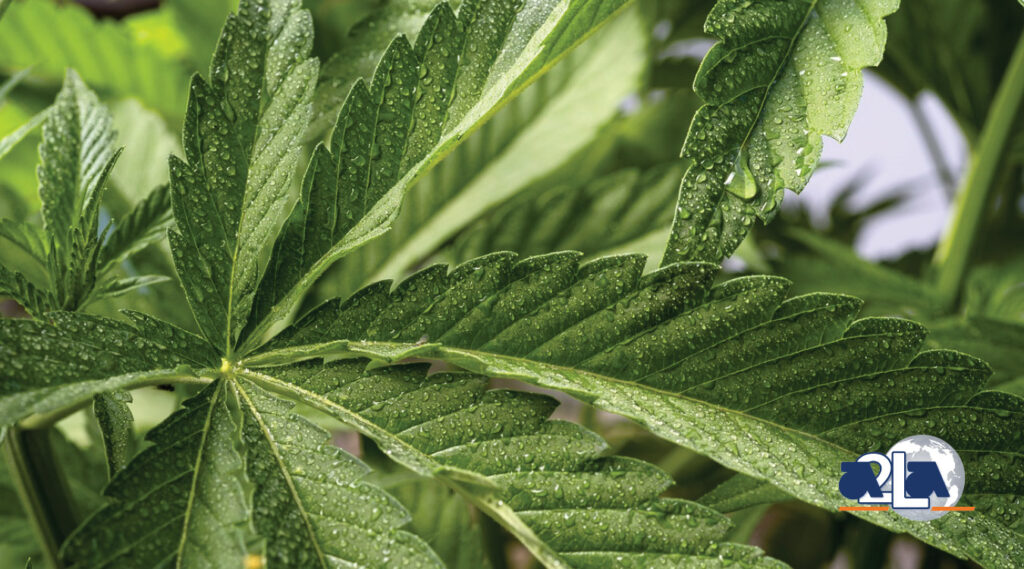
x,y
921,478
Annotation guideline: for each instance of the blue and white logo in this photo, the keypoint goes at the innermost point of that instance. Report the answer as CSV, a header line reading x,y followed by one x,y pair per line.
x,y
921,478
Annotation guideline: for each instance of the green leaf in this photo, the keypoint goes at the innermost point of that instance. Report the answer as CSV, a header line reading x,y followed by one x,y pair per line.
x,y
422,101
783,75
76,155
547,482
310,502
142,226
116,428
444,520
118,287
185,493
550,126
734,371
241,148
63,359
186,500
103,51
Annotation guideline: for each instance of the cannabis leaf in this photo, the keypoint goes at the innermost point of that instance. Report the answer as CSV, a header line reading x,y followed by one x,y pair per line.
x,y
308,501
240,145
783,75
61,360
308,489
76,157
550,126
733,371
422,101
545,481
188,483
628,210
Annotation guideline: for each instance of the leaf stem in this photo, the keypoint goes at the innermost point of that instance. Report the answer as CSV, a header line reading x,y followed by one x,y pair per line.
x,y
953,253
41,487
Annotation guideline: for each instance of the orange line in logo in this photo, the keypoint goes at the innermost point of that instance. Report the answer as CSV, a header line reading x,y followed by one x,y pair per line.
x,y
863,508
953,508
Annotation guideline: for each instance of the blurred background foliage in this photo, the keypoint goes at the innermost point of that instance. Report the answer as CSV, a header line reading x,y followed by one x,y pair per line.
x,y
605,186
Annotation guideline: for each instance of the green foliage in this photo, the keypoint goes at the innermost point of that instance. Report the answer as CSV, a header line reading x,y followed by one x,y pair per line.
x,y
64,360
547,128
735,371
422,101
76,157
240,136
189,482
545,481
106,56
562,151
783,75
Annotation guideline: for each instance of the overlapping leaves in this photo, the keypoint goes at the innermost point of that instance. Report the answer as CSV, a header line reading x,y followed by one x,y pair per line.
x,y
783,75
422,101
240,135
735,371
308,504
552,125
77,259
545,481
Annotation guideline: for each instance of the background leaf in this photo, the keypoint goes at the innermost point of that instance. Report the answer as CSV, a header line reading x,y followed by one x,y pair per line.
x,y
550,126
103,53
422,101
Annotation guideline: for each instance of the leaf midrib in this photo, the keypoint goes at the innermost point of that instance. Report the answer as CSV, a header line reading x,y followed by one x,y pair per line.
x,y
272,443
496,509
414,350
196,472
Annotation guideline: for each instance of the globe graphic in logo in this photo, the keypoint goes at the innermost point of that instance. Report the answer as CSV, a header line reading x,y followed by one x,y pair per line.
x,y
933,449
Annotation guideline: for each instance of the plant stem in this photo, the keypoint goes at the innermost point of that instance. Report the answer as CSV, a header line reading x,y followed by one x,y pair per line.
x,y
931,143
954,250
43,491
